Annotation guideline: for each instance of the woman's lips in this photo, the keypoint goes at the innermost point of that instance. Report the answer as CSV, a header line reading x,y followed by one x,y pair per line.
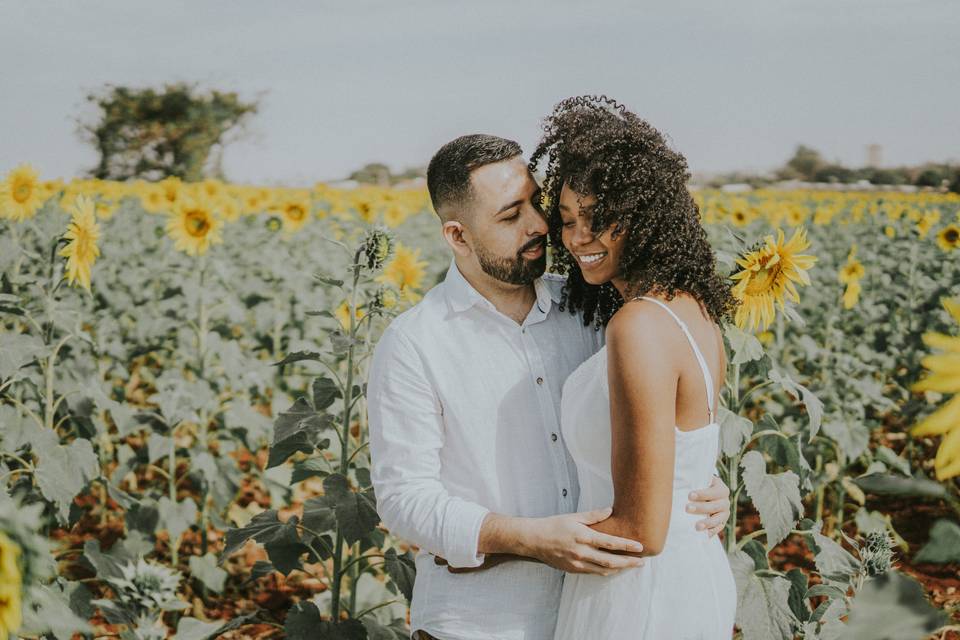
x,y
588,266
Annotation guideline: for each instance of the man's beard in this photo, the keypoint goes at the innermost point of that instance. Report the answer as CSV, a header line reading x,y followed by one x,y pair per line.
x,y
517,270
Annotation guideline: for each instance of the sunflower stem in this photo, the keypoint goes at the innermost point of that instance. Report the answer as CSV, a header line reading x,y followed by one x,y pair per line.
x,y
733,463
172,487
50,409
780,331
345,443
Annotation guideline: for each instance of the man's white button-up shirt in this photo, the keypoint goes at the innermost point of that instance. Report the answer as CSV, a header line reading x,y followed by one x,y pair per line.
x,y
464,412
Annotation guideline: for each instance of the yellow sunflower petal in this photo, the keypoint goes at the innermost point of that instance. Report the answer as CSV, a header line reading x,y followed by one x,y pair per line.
x,y
948,363
947,462
940,421
938,382
952,305
940,341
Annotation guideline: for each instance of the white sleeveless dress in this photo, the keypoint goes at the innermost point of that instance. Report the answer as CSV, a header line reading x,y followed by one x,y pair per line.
x,y
687,591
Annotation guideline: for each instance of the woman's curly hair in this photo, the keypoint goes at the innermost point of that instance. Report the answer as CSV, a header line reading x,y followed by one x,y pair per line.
x,y
598,147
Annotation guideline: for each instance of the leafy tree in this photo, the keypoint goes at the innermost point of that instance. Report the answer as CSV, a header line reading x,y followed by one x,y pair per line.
x,y
834,173
145,133
955,181
380,174
930,177
887,176
373,173
804,164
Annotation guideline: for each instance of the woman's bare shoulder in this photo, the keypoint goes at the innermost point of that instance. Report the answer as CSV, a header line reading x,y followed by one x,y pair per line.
x,y
640,328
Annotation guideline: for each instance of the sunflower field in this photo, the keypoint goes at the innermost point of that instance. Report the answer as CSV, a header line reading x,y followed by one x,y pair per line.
x,y
183,437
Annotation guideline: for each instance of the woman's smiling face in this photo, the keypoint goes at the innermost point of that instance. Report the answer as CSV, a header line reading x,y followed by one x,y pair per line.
x,y
598,255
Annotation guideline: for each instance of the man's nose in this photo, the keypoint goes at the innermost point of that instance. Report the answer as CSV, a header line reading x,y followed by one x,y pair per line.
x,y
538,225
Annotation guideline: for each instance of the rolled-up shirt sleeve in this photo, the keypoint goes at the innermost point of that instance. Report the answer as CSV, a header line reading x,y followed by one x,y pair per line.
x,y
406,436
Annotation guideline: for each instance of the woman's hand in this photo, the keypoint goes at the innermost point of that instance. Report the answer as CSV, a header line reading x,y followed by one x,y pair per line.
x,y
714,502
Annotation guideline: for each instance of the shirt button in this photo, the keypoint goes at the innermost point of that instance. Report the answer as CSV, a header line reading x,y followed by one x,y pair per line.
x,y
553,437
539,380
564,493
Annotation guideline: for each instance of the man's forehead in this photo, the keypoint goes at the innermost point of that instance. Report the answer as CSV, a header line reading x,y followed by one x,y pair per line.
x,y
503,176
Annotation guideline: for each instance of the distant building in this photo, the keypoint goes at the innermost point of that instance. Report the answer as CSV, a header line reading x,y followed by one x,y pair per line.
x,y
874,155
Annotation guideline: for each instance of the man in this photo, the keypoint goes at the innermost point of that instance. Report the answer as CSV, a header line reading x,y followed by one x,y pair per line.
x,y
463,402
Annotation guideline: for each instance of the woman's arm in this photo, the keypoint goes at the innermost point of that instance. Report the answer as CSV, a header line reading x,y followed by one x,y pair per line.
x,y
643,377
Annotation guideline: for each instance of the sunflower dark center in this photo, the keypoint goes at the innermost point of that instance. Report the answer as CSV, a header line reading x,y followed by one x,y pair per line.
x,y
197,223
21,192
764,279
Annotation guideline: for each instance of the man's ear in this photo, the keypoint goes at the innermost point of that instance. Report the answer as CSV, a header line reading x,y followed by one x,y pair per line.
x,y
454,233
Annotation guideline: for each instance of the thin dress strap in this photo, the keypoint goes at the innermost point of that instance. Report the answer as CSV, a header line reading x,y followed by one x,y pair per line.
x,y
696,351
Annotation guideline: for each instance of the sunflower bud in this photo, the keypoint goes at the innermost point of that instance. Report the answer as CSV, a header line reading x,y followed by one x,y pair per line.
x,y
384,298
877,553
145,587
376,248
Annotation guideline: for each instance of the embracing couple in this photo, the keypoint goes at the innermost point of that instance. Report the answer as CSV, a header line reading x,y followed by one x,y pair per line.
x,y
549,441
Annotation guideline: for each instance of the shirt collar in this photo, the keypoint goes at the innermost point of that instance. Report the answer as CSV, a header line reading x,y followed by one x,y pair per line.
x,y
461,295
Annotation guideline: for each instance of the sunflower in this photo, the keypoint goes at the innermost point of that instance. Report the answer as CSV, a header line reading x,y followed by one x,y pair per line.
x,y
212,189
949,237
228,207
172,190
365,209
768,275
406,272
852,270
796,216
739,218
926,222
294,210
851,295
850,274
342,314
10,585
21,194
105,209
394,215
823,216
81,250
153,198
194,226
944,377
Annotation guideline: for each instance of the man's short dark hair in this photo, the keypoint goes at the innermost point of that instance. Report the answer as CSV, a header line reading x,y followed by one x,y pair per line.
x,y
448,176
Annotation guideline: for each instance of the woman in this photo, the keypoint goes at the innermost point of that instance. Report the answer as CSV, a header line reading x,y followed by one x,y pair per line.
x,y
639,417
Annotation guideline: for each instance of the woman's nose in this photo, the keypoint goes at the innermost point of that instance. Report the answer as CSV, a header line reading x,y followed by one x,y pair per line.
x,y
582,235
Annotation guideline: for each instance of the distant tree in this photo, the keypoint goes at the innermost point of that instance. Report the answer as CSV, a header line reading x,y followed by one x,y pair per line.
x,y
887,176
930,177
834,173
412,172
955,181
804,164
380,174
373,173
150,134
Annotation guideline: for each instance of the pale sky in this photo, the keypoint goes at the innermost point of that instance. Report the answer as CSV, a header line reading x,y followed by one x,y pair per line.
x,y
735,84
